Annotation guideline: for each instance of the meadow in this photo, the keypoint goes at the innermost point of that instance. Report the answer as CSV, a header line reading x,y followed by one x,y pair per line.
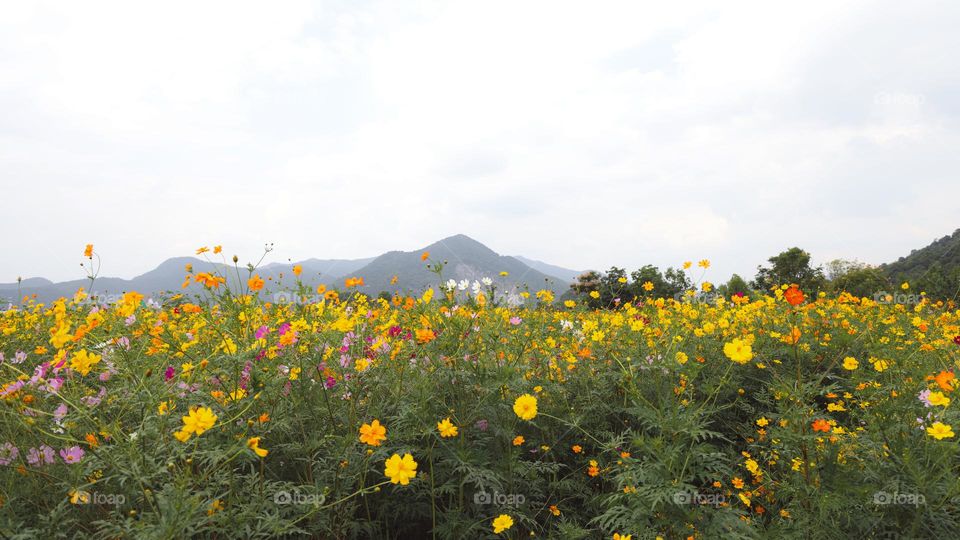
x,y
451,414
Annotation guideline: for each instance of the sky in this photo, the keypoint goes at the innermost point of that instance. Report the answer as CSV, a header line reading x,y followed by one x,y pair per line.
x,y
581,134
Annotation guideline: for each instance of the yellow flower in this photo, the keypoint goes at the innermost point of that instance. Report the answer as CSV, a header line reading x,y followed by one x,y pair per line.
x,y
704,263
525,407
446,428
938,399
682,358
502,523
762,422
82,361
940,431
850,363
752,466
164,408
744,499
400,470
738,350
373,433
569,303
618,536
79,496
297,270
88,252
518,440
254,444
687,264
594,294
881,365
199,419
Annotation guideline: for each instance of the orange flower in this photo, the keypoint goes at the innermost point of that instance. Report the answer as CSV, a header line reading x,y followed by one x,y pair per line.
x,y
794,296
89,251
946,380
353,282
820,425
255,283
297,270
425,256
425,335
373,433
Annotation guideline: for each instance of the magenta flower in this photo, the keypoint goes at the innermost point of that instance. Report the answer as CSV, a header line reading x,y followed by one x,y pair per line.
x,y
262,331
72,455
169,373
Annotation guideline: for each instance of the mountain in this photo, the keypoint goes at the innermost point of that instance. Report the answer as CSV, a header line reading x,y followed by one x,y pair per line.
x,y
934,269
565,274
466,259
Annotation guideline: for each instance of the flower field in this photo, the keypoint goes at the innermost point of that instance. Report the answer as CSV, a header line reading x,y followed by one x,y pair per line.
x,y
450,414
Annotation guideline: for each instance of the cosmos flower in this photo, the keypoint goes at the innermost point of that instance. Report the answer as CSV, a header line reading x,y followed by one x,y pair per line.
x,y
525,407
400,470
373,433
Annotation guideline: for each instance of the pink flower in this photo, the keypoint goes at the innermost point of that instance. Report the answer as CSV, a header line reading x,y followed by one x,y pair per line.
x,y
41,456
8,453
72,455
262,331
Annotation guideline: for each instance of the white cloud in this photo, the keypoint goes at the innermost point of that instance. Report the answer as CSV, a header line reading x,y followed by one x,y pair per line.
x,y
618,133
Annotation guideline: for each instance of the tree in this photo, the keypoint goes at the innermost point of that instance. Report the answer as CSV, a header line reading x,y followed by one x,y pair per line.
x,y
736,285
790,266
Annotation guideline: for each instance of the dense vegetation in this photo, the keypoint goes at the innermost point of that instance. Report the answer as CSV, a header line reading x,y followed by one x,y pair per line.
x,y
454,415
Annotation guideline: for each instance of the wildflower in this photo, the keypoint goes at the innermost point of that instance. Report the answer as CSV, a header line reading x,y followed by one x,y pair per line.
x,y
255,283
618,536
738,350
940,431
525,407
687,265
946,381
704,264
297,270
164,408
794,296
820,425
217,249
400,470
881,365
198,420
744,499
518,440
373,433
594,295
215,506
88,252
737,482
594,468
502,523
554,510
78,496
762,422
647,286
82,361
202,250
8,453
938,399
752,466
446,428
682,358
253,443
72,455
850,363
576,448
425,255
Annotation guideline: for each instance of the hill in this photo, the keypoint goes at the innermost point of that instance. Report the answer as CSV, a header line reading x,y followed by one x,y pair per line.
x,y
934,268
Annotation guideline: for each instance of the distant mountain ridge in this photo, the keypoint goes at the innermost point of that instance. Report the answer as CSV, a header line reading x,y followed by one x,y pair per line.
x,y
934,269
466,258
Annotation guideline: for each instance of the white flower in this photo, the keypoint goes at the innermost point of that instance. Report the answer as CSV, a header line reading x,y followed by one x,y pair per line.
x,y
463,284
487,281
451,284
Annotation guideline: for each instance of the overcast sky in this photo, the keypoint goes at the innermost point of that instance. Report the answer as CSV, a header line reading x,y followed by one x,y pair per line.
x,y
585,135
